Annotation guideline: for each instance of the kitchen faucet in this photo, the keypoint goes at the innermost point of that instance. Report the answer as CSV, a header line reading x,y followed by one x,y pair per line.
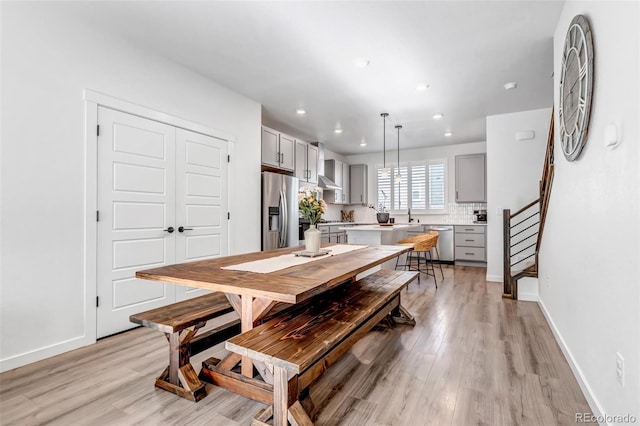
x,y
410,218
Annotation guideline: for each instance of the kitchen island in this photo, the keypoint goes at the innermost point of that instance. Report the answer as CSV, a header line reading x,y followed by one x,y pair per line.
x,y
379,234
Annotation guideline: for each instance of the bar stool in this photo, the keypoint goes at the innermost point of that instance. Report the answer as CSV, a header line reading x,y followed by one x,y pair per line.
x,y
437,253
422,245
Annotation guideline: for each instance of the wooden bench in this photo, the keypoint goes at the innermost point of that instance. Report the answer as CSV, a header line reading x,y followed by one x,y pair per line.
x,y
302,342
181,322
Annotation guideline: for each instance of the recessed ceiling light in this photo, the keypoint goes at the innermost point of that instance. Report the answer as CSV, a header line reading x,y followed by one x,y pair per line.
x,y
510,85
361,62
338,131
448,133
301,111
422,86
438,116
363,143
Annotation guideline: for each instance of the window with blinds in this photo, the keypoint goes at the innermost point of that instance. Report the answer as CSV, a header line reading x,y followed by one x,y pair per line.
x,y
421,187
436,185
384,191
400,189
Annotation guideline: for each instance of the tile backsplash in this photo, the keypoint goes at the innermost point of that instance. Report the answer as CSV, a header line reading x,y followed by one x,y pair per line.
x,y
463,213
453,214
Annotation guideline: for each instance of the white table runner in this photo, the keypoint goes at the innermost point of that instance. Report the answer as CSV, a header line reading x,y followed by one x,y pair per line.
x,y
265,266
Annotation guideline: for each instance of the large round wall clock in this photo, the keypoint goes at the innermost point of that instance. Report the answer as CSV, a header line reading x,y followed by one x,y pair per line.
x,y
576,87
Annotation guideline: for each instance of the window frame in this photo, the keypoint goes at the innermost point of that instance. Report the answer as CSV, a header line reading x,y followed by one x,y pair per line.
x,y
429,209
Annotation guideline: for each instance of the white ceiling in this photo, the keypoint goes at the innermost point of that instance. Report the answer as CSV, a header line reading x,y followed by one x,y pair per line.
x,y
287,55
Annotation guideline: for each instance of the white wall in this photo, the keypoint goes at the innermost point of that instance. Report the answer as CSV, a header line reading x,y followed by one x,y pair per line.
x,y
448,152
514,169
591,246
48,59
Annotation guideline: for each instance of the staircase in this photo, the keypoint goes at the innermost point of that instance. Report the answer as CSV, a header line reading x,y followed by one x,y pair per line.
x,y
522,230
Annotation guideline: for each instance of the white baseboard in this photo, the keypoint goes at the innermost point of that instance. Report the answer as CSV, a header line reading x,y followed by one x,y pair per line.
x,y
528,297
593,402
43,353
495,278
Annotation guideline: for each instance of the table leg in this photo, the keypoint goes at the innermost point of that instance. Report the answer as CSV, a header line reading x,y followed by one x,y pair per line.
x,y
250,310
174,357
246,319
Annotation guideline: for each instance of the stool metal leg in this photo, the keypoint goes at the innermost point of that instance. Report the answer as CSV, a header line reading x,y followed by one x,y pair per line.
x,y
433,269
439,262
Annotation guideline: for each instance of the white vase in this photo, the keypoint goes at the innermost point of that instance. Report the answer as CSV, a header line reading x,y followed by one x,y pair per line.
x,y
312,238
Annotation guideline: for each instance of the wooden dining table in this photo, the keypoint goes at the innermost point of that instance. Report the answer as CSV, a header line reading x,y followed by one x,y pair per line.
x,y
253,295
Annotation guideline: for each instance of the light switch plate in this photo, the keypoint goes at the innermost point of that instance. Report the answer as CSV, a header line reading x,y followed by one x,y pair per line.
x,y
611,135
525,135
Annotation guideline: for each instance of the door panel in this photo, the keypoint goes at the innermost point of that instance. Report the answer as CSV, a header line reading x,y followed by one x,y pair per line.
x,y
203,246
199,185
129,215
136,187
139,252
201,200
131,139
138,178
204,215
131,291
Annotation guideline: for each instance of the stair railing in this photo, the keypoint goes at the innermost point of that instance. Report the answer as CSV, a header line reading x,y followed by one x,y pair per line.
x,y
518,229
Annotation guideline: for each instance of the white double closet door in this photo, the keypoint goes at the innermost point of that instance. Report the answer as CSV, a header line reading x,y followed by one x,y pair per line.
x,y
162,199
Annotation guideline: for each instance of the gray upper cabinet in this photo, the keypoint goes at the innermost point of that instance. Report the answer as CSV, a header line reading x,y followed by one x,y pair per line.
x,y
346,191
471,178
358,178
312,163
278,149
270,147
287,149
306,162
301,160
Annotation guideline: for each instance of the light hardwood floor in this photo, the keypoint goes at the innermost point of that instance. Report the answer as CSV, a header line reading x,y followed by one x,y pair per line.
x,y
472,359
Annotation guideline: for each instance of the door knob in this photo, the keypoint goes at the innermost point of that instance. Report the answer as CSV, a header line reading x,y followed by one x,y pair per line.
x,y
169,229
182,229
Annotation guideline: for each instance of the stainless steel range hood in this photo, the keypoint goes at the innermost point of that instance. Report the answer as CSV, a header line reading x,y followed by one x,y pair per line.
x,y
323,181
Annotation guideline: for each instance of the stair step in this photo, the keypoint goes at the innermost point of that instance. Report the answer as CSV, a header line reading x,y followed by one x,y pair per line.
x,y
530,271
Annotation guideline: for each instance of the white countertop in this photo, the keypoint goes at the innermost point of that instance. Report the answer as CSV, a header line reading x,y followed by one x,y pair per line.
x,y
404,227
345,223
448,224
435,223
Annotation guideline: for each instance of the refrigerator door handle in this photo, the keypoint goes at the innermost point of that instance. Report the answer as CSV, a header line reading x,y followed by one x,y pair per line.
x,y
280,219
285,225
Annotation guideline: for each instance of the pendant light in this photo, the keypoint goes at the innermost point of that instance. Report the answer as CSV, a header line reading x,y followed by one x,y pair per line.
x,y
385,170
398,175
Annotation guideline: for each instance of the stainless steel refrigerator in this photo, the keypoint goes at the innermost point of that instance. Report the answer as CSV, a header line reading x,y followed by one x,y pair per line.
x,y
279,211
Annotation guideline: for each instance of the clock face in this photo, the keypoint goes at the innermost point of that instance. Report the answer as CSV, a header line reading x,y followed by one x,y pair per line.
x,y
576,87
